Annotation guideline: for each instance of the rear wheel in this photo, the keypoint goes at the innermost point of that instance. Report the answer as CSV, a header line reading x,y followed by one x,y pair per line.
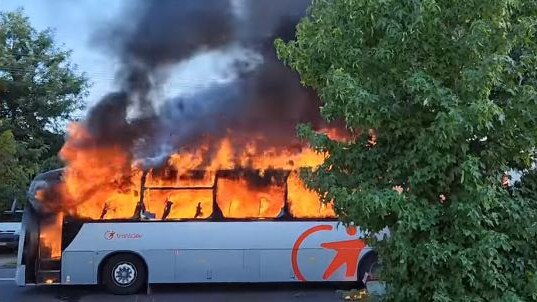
x,y
367,265
124,274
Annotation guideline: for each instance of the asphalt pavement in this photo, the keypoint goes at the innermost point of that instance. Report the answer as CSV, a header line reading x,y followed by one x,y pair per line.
x,y
7,259
9,292
6,274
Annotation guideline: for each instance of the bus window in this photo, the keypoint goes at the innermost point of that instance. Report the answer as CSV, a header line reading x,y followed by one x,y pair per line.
x,y
169,177
305,203
107,205
179,203
11,217
251,195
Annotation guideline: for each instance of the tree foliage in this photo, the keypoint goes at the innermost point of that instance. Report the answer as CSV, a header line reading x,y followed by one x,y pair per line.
x,y
448,89
39,90
12,174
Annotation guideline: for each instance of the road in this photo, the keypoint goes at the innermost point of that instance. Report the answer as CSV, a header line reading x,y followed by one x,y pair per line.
x,y
7,259
9,292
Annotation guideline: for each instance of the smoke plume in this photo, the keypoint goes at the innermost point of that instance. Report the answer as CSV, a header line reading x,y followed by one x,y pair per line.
x,y
256,96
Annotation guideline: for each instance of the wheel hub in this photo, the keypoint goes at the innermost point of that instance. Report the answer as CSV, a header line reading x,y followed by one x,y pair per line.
x,y
124,274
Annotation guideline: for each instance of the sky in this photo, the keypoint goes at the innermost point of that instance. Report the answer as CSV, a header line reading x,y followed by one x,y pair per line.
x,y
75,22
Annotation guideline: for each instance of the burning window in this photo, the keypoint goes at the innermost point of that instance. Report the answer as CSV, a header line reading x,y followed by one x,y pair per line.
x,y
179,204
173,194
108,205
173,178
304,203
251,194
102,183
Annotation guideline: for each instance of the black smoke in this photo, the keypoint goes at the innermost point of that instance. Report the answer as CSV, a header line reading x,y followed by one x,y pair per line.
x,y
262,98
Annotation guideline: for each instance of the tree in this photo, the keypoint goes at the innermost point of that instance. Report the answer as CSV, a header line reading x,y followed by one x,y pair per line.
x,y
447,89
12,175
39,91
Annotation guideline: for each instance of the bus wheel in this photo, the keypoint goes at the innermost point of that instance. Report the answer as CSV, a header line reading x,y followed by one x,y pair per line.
x,y
124,274
368,264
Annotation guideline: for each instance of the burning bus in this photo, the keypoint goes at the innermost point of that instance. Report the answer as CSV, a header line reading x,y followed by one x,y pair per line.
x,y
227,226
251,223
197,186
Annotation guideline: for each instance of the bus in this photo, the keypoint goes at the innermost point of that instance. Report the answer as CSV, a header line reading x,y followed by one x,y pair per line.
x,y
127,255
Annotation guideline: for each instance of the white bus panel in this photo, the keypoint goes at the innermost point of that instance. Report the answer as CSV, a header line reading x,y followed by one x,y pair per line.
x,y
242,251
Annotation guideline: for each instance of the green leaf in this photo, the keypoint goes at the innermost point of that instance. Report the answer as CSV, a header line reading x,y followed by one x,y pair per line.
x,y
450,89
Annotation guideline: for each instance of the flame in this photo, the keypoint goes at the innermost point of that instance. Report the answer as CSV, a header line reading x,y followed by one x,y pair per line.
x,y
237,199
185,203
50,238
102,182
304,202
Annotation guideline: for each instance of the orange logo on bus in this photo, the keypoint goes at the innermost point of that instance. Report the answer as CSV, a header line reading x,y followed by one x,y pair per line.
x,y
346,252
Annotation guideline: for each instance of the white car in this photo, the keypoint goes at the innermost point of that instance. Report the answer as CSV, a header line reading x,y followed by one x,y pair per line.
x,y
10,227
9,235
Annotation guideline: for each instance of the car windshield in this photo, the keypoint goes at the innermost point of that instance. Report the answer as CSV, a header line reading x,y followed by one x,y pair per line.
x,y
11,217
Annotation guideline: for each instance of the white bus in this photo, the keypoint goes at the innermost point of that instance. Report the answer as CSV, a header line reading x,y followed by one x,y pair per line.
x,y
129,254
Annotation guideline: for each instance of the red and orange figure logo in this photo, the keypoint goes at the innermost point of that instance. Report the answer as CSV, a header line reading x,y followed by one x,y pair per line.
x,y
346,252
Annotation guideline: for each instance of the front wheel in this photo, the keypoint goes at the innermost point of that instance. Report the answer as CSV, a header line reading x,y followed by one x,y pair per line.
x,y
124,274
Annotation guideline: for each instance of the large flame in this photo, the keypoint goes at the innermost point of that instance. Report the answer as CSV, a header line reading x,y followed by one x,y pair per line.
x,y
103,182
50,237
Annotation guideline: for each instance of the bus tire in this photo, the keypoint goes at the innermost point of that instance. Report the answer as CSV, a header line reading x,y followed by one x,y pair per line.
x,y
124,274
368,264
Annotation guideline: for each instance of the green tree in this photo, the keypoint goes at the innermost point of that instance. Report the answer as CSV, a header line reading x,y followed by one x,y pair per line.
x,y
12,174
39,90
448,88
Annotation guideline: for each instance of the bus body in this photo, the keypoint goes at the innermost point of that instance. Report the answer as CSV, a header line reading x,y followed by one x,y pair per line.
x,y
193,251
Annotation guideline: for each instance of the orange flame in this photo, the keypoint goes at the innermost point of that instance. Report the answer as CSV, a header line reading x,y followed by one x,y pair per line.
x,y
102,182
50,238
